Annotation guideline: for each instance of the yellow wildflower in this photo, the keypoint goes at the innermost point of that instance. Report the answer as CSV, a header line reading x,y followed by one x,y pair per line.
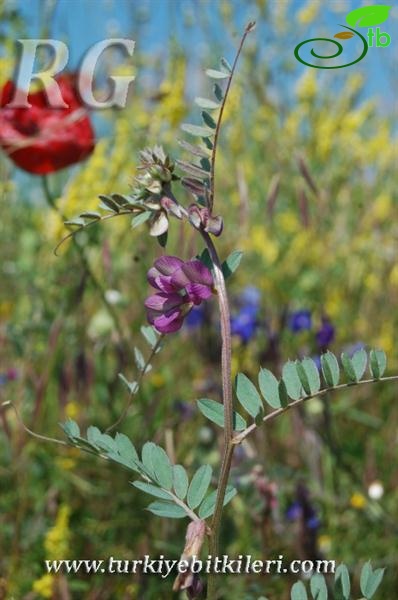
x,y
56,543
44,586
325,543
72,410
358,501
158,380
306,87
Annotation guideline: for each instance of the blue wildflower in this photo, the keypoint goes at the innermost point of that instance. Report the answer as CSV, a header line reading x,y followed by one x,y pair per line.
x,y
293,512
302,509
300,320
251,296
317,360
245,322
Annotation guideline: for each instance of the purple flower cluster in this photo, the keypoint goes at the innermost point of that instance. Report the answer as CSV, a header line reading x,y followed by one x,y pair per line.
x,y
180,286
301,320
325,334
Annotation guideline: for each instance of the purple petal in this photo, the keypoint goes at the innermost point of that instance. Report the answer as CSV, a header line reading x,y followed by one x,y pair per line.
x,y
152,276
197,272
168,264
163,283
163,302
198,292
169,322
179,279
151,315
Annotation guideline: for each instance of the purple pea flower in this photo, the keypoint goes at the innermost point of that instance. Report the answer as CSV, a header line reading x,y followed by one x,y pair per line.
x,y
325,334
180,286
300,320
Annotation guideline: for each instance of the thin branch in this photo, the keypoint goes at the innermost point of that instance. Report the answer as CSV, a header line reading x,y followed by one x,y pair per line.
x,y
248,29
138,384
241,436
93,222
181,503
39,436
96,283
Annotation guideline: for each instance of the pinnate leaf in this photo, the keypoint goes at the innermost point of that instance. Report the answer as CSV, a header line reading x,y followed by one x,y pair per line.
x,y
378,363
214,74
291,380
214,411
167,509
208,505
330,369
248,395
199,486
269,387
180,481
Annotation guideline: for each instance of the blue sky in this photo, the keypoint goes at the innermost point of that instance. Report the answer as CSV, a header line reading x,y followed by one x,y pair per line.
x,y
81,23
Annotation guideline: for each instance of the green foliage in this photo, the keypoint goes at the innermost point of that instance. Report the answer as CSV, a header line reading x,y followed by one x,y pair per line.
x,y
159,478
209,503
207,104
330,369
214,74
342,584
198,486
180,481
248,395
370,580
269,387
309,376
196,130
318,587
298,591
378,363
292,381
231,263
208,120
301,380
214,411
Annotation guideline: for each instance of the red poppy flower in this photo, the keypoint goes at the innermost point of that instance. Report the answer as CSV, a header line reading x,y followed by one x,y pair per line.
x,y
43,139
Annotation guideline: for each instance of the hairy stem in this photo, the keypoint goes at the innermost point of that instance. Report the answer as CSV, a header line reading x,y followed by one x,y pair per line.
x,y
228,448
248,29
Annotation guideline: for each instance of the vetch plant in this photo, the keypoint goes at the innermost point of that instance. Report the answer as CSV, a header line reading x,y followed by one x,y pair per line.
x,y
180,284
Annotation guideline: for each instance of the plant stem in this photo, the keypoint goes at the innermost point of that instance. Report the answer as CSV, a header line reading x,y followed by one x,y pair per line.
x,y
226,351
126,409
248,29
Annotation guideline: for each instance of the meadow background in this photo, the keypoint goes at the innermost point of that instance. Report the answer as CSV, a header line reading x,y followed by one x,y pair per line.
x,y
319,271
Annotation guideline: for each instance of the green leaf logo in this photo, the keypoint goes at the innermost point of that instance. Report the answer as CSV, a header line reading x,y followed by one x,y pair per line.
x,y
368,16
